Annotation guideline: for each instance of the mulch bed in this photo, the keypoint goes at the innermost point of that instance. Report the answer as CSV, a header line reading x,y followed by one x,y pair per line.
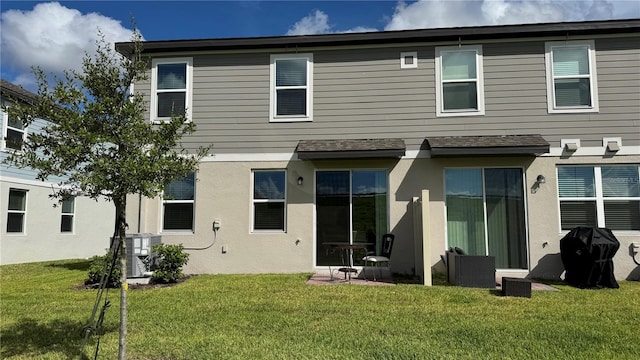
x,y
135,286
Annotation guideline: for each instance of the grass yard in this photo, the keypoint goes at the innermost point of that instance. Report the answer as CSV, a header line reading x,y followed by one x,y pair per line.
x,y
280,317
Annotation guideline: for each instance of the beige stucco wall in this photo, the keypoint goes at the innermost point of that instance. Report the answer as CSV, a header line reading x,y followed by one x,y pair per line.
x,y
223,193
42,239
544,220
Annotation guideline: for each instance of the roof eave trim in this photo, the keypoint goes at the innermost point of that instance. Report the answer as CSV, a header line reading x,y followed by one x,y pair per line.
x,y
345,154
379,37
490,151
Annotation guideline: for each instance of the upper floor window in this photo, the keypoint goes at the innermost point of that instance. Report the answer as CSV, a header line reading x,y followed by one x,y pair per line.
x,y
178,204
571,76
68,213
17,210
291,87
14,133
602,196
269,199
171,82
459,81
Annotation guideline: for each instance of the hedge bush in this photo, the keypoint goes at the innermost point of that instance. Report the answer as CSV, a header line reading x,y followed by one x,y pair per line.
x,y
169,262
99,265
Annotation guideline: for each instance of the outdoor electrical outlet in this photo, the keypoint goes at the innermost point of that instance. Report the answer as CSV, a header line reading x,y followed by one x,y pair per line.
x,y
216,225
635,247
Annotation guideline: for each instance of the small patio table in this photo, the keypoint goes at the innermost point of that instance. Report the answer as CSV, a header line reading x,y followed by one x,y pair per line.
x,y
346,256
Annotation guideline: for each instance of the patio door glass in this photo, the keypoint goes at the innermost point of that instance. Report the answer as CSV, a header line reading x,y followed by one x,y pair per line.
x,y
485,214
351,207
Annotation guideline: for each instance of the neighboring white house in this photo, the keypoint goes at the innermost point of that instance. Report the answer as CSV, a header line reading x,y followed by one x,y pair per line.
x,y
33,226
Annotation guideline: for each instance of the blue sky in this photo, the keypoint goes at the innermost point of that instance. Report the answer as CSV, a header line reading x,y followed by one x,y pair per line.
x,y
55,35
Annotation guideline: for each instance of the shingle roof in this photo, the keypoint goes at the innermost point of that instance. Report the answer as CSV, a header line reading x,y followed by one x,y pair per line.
x,y
487,145
350,148
17,92
389,37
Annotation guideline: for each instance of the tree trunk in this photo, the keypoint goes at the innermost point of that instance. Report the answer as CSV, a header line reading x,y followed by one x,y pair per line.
x,y
124,287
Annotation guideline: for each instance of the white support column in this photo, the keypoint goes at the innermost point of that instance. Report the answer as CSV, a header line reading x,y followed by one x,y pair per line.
x,y
417,237
426,239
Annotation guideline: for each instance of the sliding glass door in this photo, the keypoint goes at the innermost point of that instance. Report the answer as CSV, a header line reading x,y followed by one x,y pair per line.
x,y
485,214
351,207
333,219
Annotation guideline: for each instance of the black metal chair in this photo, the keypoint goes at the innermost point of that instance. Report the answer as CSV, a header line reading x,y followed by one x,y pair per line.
x,y
383,258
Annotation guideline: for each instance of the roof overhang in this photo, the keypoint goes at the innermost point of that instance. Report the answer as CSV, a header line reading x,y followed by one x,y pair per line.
x,y
498,145
476,33
350,149
16,92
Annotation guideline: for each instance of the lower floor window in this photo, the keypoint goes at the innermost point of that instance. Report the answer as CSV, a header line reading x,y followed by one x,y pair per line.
x,y
17,210
68,213
178,204
599,196
486,214
269,200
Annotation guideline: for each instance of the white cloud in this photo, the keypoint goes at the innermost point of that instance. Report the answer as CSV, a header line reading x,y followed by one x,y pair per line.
x,y
52,37
453,13
315,23
424,14
318,23
626,9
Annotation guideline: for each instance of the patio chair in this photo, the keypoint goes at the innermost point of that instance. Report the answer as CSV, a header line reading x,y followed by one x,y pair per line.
x,y
383,258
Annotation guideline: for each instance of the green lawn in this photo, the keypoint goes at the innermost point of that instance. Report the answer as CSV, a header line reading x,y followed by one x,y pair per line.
x,y
280,317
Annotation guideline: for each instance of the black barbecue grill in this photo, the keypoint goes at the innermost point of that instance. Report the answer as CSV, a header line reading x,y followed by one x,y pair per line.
x,y
587,254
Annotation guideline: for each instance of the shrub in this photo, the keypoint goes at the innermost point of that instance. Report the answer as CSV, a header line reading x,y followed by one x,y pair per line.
x,y
169,263
99,265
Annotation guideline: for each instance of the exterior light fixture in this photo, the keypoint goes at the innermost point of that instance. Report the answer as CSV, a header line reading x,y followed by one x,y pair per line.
x,y
300,180
539,180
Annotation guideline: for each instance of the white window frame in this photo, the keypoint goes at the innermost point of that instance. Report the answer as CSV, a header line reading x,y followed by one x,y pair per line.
x,y
599,197
5,131
440,111
23,212
193,211
188,61
593,83
71,214
255,201
273,117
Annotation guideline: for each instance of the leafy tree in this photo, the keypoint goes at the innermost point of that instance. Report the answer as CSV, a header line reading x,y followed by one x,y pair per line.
x,y
99,141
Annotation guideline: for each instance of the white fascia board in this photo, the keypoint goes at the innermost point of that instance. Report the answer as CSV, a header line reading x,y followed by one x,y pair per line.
x,y
27,182
412,154
249,157
592,151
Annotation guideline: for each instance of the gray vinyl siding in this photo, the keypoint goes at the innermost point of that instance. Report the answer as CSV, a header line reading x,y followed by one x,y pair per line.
x,y
363,93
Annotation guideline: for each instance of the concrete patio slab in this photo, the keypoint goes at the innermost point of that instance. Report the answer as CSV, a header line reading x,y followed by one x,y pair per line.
x,y
324,278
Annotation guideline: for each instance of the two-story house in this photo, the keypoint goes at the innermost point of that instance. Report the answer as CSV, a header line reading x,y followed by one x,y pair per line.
x,y
519,133
33,226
